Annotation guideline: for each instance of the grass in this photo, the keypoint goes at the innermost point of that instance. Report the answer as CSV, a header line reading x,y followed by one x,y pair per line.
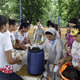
x,y
63,31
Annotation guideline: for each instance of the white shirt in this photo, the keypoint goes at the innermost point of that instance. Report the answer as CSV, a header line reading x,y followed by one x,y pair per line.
x,y
26,35
55,50
5,45
7,33
11,35
35,27
75,52
18,36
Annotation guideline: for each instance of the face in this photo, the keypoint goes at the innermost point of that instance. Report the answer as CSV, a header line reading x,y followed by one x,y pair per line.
x,y
27,29
23,31
38,22
50,37
15,27
77,37
71,24
49,26
39,27
5,27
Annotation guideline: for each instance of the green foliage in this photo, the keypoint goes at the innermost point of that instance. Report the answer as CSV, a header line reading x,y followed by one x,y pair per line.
x,y
32,9
43,9
69,9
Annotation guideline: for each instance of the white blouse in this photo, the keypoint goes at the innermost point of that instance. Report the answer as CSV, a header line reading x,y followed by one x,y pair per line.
x,y
18,36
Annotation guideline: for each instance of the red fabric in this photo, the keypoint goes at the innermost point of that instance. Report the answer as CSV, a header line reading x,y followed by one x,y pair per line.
x,y
7,69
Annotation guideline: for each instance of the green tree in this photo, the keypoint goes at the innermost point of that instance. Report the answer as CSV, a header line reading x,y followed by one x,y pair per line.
x,y
32,9
69,9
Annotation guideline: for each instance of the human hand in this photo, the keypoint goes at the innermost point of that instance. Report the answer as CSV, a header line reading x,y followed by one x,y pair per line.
x,y
22,46
18,61
41,43
60,62
68,50
49,78
40,35
53,66
64,46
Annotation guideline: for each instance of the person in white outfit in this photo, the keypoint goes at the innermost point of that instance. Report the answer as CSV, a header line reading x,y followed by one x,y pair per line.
x,y
54,48
20,35
13,24
6,60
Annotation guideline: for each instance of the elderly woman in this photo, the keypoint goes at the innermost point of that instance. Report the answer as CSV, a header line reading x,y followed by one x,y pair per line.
x,y
54,49
39,33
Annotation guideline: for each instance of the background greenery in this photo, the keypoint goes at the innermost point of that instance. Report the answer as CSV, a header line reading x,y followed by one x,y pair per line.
x,y
43,9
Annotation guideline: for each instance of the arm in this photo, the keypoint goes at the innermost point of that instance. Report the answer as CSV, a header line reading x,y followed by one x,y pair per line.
x,y
8,47
43,45
49,78
18,38
15,46
10,60
58,52
65,44
29,41
39,35
68,58
22,46
26,40
66,49
43,34
34,31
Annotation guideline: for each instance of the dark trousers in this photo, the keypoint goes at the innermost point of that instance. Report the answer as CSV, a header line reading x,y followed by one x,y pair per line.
x,y
12,76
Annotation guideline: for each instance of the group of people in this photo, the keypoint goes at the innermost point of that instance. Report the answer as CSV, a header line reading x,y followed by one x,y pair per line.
x,y
73,53
70,64
55,46
12,37
7,43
